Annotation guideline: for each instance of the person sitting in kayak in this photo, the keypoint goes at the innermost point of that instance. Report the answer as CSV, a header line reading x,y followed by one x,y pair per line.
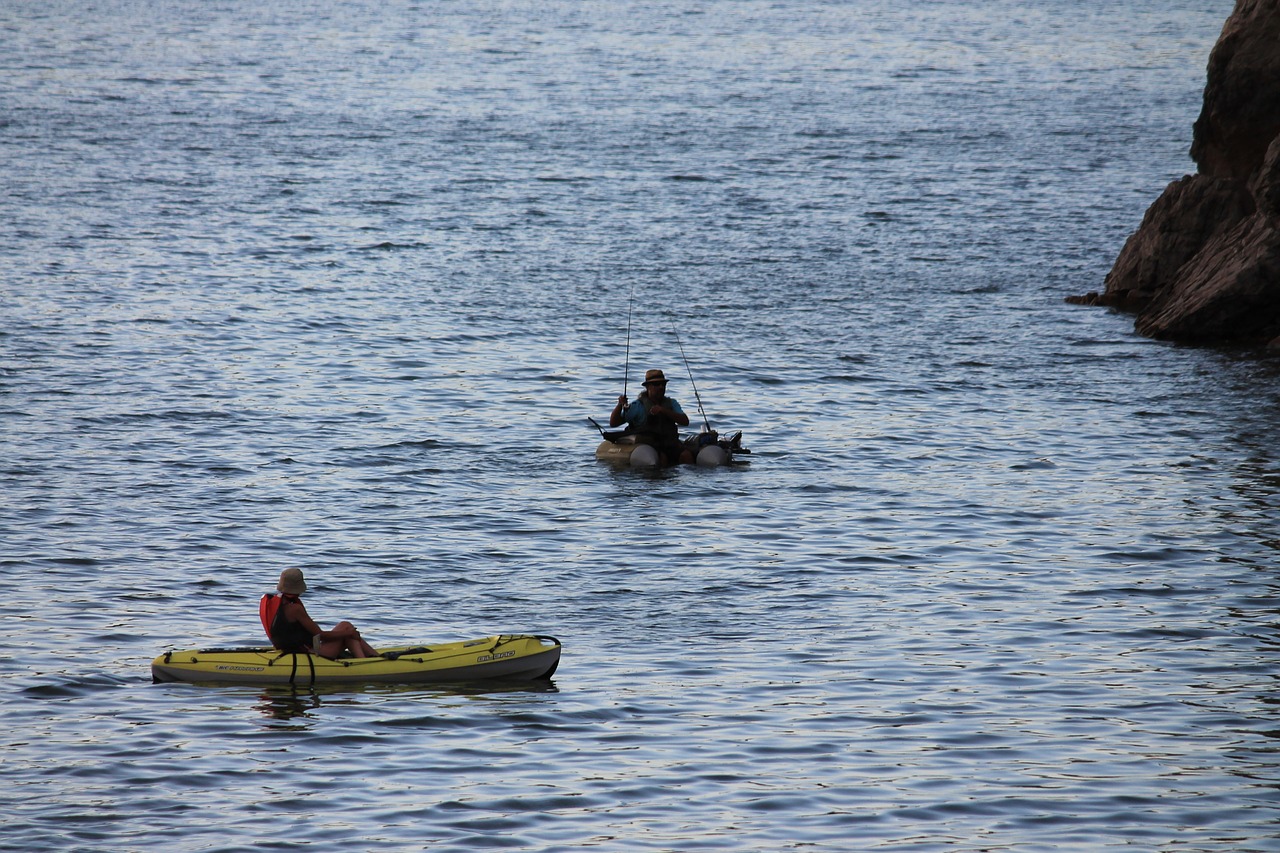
x,y
291,629
655,419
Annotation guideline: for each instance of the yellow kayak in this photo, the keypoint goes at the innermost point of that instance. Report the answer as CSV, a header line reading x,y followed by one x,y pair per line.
x,y
514,657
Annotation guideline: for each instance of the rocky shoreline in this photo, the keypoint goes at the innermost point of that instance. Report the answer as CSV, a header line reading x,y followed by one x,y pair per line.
x,y
1204,265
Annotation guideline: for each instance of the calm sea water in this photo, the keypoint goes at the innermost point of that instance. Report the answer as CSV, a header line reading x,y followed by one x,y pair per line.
x,y
337,285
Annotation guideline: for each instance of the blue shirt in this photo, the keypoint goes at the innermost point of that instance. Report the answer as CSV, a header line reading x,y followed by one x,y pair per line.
x,y
637,413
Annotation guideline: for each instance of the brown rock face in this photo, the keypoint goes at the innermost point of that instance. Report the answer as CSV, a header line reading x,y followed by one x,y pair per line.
x,y
1204,265
1241,113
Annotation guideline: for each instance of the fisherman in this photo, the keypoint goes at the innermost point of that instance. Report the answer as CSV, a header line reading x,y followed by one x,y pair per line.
x,y
655,419
292,630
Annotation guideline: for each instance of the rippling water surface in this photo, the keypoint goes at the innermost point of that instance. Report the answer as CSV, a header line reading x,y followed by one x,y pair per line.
x,y
337,286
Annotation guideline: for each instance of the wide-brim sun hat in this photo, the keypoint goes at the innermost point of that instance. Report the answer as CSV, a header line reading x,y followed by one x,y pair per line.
x,y
292,582
654,377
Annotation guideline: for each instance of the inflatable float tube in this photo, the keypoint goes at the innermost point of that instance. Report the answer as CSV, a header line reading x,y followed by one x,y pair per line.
x,y
626,451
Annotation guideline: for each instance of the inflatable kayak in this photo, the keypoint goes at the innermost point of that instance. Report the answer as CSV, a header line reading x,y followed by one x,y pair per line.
x,y
514,657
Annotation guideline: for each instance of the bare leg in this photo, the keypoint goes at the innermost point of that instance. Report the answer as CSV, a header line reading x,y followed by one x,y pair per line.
x,y
345,638
353,642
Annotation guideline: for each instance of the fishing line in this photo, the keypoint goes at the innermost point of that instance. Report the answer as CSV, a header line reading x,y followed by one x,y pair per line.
x,y
689,370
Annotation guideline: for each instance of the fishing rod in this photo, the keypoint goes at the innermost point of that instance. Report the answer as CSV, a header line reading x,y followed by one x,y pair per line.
x,y
706,423
626,367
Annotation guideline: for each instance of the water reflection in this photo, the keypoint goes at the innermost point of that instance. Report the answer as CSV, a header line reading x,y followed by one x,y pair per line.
x,y
285,704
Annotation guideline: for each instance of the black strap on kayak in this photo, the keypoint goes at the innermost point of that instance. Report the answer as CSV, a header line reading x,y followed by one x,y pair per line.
x,y
293,664
293,673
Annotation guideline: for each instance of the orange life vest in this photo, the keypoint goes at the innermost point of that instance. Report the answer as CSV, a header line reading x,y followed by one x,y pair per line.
x,y
268,607
284,635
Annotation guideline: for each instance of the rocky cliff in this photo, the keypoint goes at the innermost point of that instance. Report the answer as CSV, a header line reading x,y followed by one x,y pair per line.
x,y
1204,265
